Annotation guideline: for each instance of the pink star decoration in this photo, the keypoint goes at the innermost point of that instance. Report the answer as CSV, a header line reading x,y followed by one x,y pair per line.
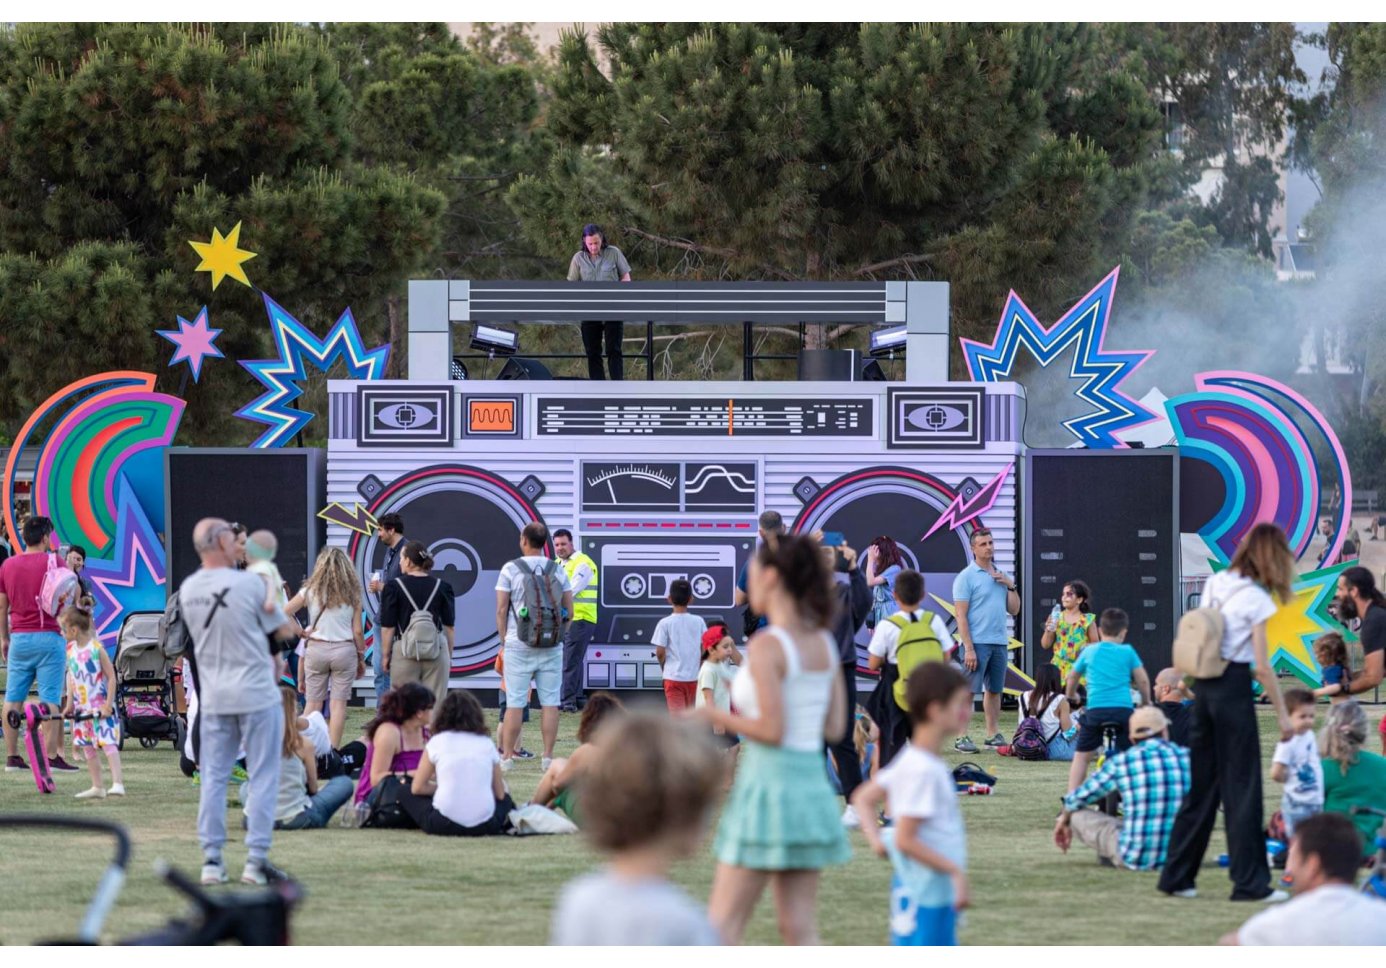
x,y
196,341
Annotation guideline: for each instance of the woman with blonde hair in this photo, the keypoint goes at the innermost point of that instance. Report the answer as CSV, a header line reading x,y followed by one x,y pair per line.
x,y
334,642
1352,776
1224,741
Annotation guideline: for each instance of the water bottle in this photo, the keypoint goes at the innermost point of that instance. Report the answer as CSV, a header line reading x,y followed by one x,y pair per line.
x,y
1055,614
524,611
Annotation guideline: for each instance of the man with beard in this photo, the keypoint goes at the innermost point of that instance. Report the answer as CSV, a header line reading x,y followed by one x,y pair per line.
x,y
1359,598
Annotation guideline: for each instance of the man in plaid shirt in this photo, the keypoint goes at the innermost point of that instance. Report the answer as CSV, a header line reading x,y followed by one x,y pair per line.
x,y
1152,778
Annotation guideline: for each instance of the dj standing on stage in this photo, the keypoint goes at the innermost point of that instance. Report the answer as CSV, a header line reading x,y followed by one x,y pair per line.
x,y
598,262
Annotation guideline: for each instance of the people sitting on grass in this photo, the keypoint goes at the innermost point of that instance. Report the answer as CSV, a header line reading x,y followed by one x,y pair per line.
x,y
1296,763
458,790
1174,700
1152,778
1327,909
302,802
1111,668
1047,703
1352,776
395,738
648,809
927,845
559,786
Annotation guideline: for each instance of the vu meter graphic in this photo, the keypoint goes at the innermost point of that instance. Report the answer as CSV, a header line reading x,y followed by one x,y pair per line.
x,y
631,487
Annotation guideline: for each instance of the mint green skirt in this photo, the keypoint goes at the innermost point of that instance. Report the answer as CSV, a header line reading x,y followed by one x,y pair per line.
x,y
782,814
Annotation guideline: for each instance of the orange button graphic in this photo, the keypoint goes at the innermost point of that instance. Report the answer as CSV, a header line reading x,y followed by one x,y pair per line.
x,y
490,416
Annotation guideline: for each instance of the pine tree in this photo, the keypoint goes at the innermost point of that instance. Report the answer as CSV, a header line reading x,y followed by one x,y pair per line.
x,y
989,156
122,142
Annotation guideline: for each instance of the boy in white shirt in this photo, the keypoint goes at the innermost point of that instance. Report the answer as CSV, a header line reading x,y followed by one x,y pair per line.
x,y
927,845
1296,763
885,642
678,641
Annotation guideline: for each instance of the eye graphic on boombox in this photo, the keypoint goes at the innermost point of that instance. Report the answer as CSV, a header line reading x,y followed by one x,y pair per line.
x,y
640,574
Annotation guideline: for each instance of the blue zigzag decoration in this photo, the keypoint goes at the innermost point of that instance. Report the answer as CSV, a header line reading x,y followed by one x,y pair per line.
x,y
297,346
1102,372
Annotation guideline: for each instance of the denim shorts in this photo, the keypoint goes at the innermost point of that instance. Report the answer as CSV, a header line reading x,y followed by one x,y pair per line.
x,y
990,675
37,657
543,666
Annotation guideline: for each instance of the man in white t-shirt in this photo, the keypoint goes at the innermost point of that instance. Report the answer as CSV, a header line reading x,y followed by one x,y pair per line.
x,y
522,663
1326,909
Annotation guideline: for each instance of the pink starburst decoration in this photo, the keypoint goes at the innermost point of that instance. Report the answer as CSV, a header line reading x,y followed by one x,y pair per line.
x,y
196,341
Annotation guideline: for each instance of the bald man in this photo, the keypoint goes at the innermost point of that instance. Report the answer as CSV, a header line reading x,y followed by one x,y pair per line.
x,y
238,698
1171,695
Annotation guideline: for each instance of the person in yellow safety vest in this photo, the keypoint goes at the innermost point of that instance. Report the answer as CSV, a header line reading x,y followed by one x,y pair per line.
x,y
582,575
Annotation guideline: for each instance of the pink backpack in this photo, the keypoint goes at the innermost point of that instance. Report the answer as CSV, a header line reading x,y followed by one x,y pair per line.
x,y
61,588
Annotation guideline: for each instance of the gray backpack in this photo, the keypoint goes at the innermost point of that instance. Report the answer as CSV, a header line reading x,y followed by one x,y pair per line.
x,y
422,640
539,618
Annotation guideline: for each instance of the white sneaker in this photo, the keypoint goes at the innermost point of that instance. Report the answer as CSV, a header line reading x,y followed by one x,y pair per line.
x,y
850,820
117,790
506,763
1275,897
1187,893
95,793
213,872
545,763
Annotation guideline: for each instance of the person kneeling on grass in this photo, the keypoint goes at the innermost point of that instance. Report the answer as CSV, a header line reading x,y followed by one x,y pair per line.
x,y
1326,909
927,846
301,803
458,790
648,808
1152,777
558,788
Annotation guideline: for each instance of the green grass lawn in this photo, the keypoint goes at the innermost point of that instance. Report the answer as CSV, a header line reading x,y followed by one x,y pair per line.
x,y
432,890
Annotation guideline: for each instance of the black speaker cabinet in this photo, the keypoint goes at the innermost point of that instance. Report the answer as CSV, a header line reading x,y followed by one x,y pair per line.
x,y
520,368
280,490
1111,519
836,365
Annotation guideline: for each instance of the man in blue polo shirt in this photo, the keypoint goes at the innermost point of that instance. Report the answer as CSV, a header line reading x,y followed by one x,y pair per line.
x,y
983,596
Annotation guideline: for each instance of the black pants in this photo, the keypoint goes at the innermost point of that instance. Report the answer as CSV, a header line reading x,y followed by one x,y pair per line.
x,y
845,749
1225,750
575,642
592,342
430,821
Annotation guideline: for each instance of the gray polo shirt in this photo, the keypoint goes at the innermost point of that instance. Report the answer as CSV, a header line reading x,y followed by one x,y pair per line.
x,y
609,266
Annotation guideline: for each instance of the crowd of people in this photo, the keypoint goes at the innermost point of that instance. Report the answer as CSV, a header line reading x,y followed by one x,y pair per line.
x,y
776,727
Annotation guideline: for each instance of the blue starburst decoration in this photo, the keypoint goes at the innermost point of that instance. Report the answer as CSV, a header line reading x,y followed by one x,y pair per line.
x,y
132,579
298,347
1102,371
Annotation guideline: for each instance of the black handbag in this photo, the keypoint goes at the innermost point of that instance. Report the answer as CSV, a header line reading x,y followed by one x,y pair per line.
x,y
385,802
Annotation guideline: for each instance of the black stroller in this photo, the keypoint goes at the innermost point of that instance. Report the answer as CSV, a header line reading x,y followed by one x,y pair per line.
x,y
259,917
144,684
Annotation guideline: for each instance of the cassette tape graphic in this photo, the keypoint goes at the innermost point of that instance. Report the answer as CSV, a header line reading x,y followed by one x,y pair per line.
x,y
641,574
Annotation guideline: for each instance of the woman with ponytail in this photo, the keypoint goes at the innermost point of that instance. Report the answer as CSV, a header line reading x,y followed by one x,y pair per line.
x,y
781,825
416,589
1352,776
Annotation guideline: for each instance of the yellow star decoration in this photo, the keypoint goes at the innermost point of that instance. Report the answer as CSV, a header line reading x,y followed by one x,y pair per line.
x,y
223,256
1291,631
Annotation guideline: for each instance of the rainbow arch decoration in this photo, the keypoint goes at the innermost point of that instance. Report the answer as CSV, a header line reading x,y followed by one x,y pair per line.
x,y
1253,430
105,427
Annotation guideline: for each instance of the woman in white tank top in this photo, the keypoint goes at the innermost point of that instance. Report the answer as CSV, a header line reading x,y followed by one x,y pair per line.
x,y
334,641
781,822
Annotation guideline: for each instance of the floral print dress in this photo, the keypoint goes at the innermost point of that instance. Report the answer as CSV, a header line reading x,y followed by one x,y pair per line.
x,y
89,691
1070,638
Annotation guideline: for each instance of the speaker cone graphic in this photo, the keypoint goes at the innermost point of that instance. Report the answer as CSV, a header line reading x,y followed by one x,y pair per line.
x,y
470,520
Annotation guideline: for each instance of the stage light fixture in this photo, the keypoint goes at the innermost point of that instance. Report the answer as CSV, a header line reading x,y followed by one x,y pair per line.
x,y
457,370
888,342
494,340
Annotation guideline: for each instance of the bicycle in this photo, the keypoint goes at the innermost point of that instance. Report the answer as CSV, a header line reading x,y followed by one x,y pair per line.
x,y
1375,884
258,917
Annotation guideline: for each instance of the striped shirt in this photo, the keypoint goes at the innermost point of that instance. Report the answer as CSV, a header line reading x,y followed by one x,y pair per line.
x,y
1152,778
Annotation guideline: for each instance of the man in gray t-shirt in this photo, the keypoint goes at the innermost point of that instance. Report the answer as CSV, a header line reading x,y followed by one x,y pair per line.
x,y
239,706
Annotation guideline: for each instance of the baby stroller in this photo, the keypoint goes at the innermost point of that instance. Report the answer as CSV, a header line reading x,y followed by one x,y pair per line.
x,y
144,696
